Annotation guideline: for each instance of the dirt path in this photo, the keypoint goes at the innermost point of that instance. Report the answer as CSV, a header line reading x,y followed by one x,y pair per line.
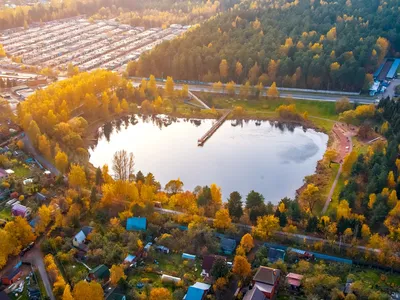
x,y
342,135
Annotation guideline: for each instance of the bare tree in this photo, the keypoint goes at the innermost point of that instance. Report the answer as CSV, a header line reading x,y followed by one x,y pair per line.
x,y
123,165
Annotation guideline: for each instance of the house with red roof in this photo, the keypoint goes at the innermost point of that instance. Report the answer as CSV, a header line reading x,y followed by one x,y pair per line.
x,y
265,284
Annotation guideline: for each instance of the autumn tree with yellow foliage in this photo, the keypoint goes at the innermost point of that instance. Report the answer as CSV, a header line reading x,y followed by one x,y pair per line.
x,y
266,225
247,242
310,197
241,266
77,176
117,273
88,290
222,219
160,293
61,161
273,91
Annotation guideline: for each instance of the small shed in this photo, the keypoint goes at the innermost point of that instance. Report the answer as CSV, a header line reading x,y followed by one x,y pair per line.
x,y
188,256
101,273
208,262
228,246
11,202
130,259
136,224
20,210
147,247
294,280
275,254
33,222
9,172
197,291
162,249
168,278
40,197
27,181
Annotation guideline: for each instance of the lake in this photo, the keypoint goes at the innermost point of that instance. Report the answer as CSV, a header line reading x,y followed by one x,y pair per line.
x,y
268,157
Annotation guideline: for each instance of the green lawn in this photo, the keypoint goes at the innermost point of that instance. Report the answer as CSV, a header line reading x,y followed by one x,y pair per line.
x,y
75,272
169,264
21,172
5,214
335,197
359,146
322,109
376,278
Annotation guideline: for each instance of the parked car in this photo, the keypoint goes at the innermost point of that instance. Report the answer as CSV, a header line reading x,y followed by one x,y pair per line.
x,y
26,249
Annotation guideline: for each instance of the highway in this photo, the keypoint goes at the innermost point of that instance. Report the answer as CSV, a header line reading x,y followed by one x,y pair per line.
x,y
286,92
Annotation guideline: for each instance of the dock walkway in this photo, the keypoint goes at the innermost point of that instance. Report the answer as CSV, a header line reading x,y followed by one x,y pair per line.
x,y
213,129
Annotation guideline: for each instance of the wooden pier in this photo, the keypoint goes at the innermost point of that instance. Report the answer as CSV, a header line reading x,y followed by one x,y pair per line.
x,y
213,129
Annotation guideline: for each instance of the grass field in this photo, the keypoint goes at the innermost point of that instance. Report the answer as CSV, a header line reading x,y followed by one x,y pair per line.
x,y
359,146
21,172
5,214
335,197
322,109
169,264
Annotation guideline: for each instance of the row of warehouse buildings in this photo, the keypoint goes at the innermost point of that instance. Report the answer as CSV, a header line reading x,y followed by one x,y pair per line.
x,y
387,71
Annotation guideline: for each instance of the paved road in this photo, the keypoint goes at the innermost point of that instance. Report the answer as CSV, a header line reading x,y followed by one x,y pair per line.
x,y
31,149
310,95
390,91
35,257
298,237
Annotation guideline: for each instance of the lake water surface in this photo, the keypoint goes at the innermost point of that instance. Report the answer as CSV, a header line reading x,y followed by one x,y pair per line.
x,y
270,158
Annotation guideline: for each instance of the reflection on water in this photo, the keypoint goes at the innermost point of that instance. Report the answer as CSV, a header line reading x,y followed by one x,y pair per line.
x,y
269,157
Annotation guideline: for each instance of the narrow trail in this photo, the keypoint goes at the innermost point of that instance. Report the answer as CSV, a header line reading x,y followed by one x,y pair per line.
x,y
346,136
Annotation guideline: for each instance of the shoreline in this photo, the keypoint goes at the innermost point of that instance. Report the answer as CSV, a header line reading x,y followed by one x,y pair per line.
x,y
90,137
92,129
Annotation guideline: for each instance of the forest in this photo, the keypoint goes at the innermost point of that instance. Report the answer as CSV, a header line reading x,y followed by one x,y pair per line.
x,y
59,117
305,44
373,182
137,13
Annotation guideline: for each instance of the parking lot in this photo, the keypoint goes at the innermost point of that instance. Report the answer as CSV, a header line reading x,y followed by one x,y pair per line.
x,y
87,45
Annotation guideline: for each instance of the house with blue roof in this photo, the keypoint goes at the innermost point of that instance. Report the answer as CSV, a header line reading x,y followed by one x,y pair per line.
x,y
136,224
130,260
197,291
276,254
228,246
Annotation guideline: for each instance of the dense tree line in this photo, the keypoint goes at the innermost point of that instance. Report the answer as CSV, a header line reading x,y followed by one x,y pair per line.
x,y
156,14
145,13
373,179
57,119
313,44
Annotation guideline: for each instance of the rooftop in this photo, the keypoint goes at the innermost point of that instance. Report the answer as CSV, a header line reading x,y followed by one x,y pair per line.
x,y
267,275
135,223
100,272
208,261
228,245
